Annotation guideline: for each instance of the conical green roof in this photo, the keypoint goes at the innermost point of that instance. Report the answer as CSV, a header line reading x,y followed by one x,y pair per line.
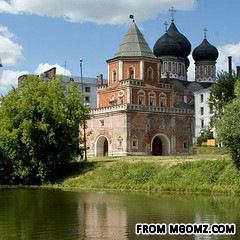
x,y
134,45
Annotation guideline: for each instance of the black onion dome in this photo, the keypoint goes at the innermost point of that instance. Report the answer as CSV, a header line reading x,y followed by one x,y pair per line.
x,y
185,46
205,51
165,46
187,63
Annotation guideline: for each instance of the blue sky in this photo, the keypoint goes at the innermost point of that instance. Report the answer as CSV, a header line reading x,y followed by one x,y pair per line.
x,y
36,35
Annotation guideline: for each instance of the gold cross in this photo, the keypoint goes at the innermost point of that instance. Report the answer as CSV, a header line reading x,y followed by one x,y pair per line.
x,y
173,11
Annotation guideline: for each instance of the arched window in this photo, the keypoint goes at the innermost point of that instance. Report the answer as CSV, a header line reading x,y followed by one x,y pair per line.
x,y
173,67
179,68
183,70
121,97
112,100
141,97
198,71
209,70
162,100
150,74
152,98
165,66
169,66
205,70
114,75
131,73
201,71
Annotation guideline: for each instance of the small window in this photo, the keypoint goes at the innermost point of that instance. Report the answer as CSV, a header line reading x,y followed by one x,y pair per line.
x,y
185,144
162,100
101,123
150,74
202,123
141,97
114,75
201,98
205,70
179,68
173,67
135,142
87,99
202,110
198,71
87,89
165,67
169,67
131,73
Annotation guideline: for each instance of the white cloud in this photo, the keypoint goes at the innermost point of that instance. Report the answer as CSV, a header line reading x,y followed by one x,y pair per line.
x,y
97,11
10,52
225,51
9,78
5,32
42,67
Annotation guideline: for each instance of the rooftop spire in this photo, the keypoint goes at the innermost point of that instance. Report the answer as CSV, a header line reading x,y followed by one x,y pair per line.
x,y
134,44
205,33
173,11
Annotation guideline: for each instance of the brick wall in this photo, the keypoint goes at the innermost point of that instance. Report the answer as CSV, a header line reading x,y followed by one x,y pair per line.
x,y
176,129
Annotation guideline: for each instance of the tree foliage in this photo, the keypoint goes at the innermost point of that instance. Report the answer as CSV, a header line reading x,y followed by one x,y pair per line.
x,y
228,126
206,133
222,93
39,130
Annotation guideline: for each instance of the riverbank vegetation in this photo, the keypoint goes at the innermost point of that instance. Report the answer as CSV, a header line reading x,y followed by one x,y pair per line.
x,y
204,172
39,130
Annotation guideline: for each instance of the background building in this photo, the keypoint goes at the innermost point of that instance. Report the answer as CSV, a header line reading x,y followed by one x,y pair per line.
x,y
88,85
203,113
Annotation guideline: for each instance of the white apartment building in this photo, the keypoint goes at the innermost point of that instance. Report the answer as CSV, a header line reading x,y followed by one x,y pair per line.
x,y
203,112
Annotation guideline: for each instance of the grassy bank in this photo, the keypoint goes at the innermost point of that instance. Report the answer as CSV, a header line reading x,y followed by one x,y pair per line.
x,y
189,173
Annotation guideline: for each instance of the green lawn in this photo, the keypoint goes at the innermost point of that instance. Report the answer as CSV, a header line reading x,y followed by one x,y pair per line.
x,y
206,172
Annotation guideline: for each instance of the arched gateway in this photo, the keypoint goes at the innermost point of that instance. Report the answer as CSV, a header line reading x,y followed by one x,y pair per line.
x,y
101,146
160,145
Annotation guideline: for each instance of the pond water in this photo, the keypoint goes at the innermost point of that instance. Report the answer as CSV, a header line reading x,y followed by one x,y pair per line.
x,y
64,215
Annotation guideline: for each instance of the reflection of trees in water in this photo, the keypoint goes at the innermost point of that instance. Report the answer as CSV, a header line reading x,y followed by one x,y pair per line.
x,y
50,215
36,214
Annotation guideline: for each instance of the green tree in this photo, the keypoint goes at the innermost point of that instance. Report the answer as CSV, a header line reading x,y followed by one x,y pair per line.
x,y
206,133
222,93
39,130
228,126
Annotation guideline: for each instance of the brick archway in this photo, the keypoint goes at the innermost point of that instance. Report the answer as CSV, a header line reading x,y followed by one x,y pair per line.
x,y
101,146
160,145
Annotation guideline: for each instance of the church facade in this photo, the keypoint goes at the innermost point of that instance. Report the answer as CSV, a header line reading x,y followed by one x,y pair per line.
x,y
146,106
136,113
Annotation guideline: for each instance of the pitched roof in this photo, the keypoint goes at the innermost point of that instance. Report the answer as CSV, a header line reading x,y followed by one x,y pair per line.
x,y
134,45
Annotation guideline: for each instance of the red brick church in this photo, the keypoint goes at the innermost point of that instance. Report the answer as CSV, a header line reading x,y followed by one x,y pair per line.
x,y
136,113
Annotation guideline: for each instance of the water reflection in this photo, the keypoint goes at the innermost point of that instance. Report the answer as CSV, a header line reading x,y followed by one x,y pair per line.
x,y
50,214
101,217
